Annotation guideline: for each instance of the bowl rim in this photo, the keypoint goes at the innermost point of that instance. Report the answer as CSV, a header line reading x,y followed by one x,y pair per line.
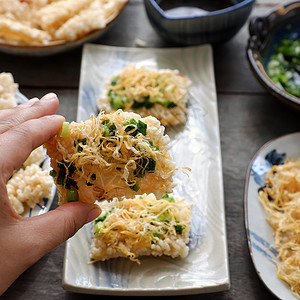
x,y
253,51
60,44
226,10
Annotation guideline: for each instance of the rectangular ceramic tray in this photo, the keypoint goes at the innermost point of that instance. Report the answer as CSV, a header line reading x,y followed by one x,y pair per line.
x,y
196,145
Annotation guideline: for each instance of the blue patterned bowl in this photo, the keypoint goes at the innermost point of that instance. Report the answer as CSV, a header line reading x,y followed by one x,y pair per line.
x,y
202,27
265,32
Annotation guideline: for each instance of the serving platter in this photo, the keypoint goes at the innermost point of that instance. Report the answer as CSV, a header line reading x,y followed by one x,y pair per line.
x,y
195,145
44,205
259,232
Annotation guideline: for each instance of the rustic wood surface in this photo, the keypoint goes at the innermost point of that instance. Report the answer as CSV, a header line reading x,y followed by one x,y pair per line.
x,y
248,115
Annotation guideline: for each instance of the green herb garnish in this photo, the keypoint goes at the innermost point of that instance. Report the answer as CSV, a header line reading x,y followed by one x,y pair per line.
x,y
283,67
179,228
115,80
72,196
135,187
144,165
65,130
116,100
134,127
109,129
167,197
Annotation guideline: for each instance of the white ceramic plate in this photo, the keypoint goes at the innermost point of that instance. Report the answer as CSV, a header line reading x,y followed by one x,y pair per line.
x,y
259,232
56,47
44,205
196,144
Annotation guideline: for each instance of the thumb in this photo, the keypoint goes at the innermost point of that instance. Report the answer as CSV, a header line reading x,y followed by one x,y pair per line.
x,y
55,227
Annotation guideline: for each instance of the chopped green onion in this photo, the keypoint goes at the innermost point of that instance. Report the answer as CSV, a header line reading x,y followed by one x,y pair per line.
x,y
283,68
167,197
167,103
143,102
135,187
143,165
164,217
179,228
153,146
52,173
116,100
64,179
142,127
93,178
65,130
115,80
72,196
102,218
157,234
80,141
109,129
98,226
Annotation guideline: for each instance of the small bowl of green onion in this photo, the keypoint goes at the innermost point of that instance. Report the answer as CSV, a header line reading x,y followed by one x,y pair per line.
x,y
273,52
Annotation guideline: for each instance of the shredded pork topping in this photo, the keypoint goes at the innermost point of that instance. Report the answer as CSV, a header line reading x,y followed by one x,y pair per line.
x,y
161,93
113,155
143,225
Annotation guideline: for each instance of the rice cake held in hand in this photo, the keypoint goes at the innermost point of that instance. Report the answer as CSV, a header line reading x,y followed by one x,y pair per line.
x,y
160,93
144,225
113,155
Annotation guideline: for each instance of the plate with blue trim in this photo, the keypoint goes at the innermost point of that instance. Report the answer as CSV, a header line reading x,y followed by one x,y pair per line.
x,y
259,232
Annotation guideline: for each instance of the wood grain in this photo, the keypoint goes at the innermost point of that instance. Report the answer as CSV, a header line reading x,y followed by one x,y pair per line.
x,y
248,116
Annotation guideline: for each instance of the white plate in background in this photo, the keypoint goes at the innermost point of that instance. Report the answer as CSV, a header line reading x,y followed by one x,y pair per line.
x,y
259,232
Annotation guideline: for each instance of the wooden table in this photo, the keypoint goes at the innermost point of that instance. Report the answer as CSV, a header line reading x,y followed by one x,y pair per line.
x,y
248,115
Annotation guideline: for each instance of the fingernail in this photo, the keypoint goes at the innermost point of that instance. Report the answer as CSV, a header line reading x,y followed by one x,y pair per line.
x,y
49,97
93,214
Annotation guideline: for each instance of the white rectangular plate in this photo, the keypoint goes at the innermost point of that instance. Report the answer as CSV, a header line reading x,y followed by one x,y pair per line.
x,y
196,145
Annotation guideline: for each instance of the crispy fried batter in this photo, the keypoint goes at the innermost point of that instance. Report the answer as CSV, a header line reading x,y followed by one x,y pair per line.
x,y
113,155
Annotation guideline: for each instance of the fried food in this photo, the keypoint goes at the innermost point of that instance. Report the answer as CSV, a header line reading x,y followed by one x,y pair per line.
x,y
281,201
160,93
113,155
143,225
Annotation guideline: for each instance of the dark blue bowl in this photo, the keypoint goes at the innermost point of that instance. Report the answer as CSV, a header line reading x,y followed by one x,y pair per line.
x,y
265,32
210,27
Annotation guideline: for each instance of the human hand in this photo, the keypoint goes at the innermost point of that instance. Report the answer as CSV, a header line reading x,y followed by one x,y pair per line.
x,y
25,240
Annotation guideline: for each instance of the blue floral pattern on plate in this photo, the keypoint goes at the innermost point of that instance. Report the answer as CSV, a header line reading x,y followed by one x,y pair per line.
x,y
259,232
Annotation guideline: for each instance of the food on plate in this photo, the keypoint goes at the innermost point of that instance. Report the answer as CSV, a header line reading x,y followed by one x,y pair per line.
x,y
8,91
42,22
281,201
160,93
37,156
143,225
111,155
284,66
28,186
